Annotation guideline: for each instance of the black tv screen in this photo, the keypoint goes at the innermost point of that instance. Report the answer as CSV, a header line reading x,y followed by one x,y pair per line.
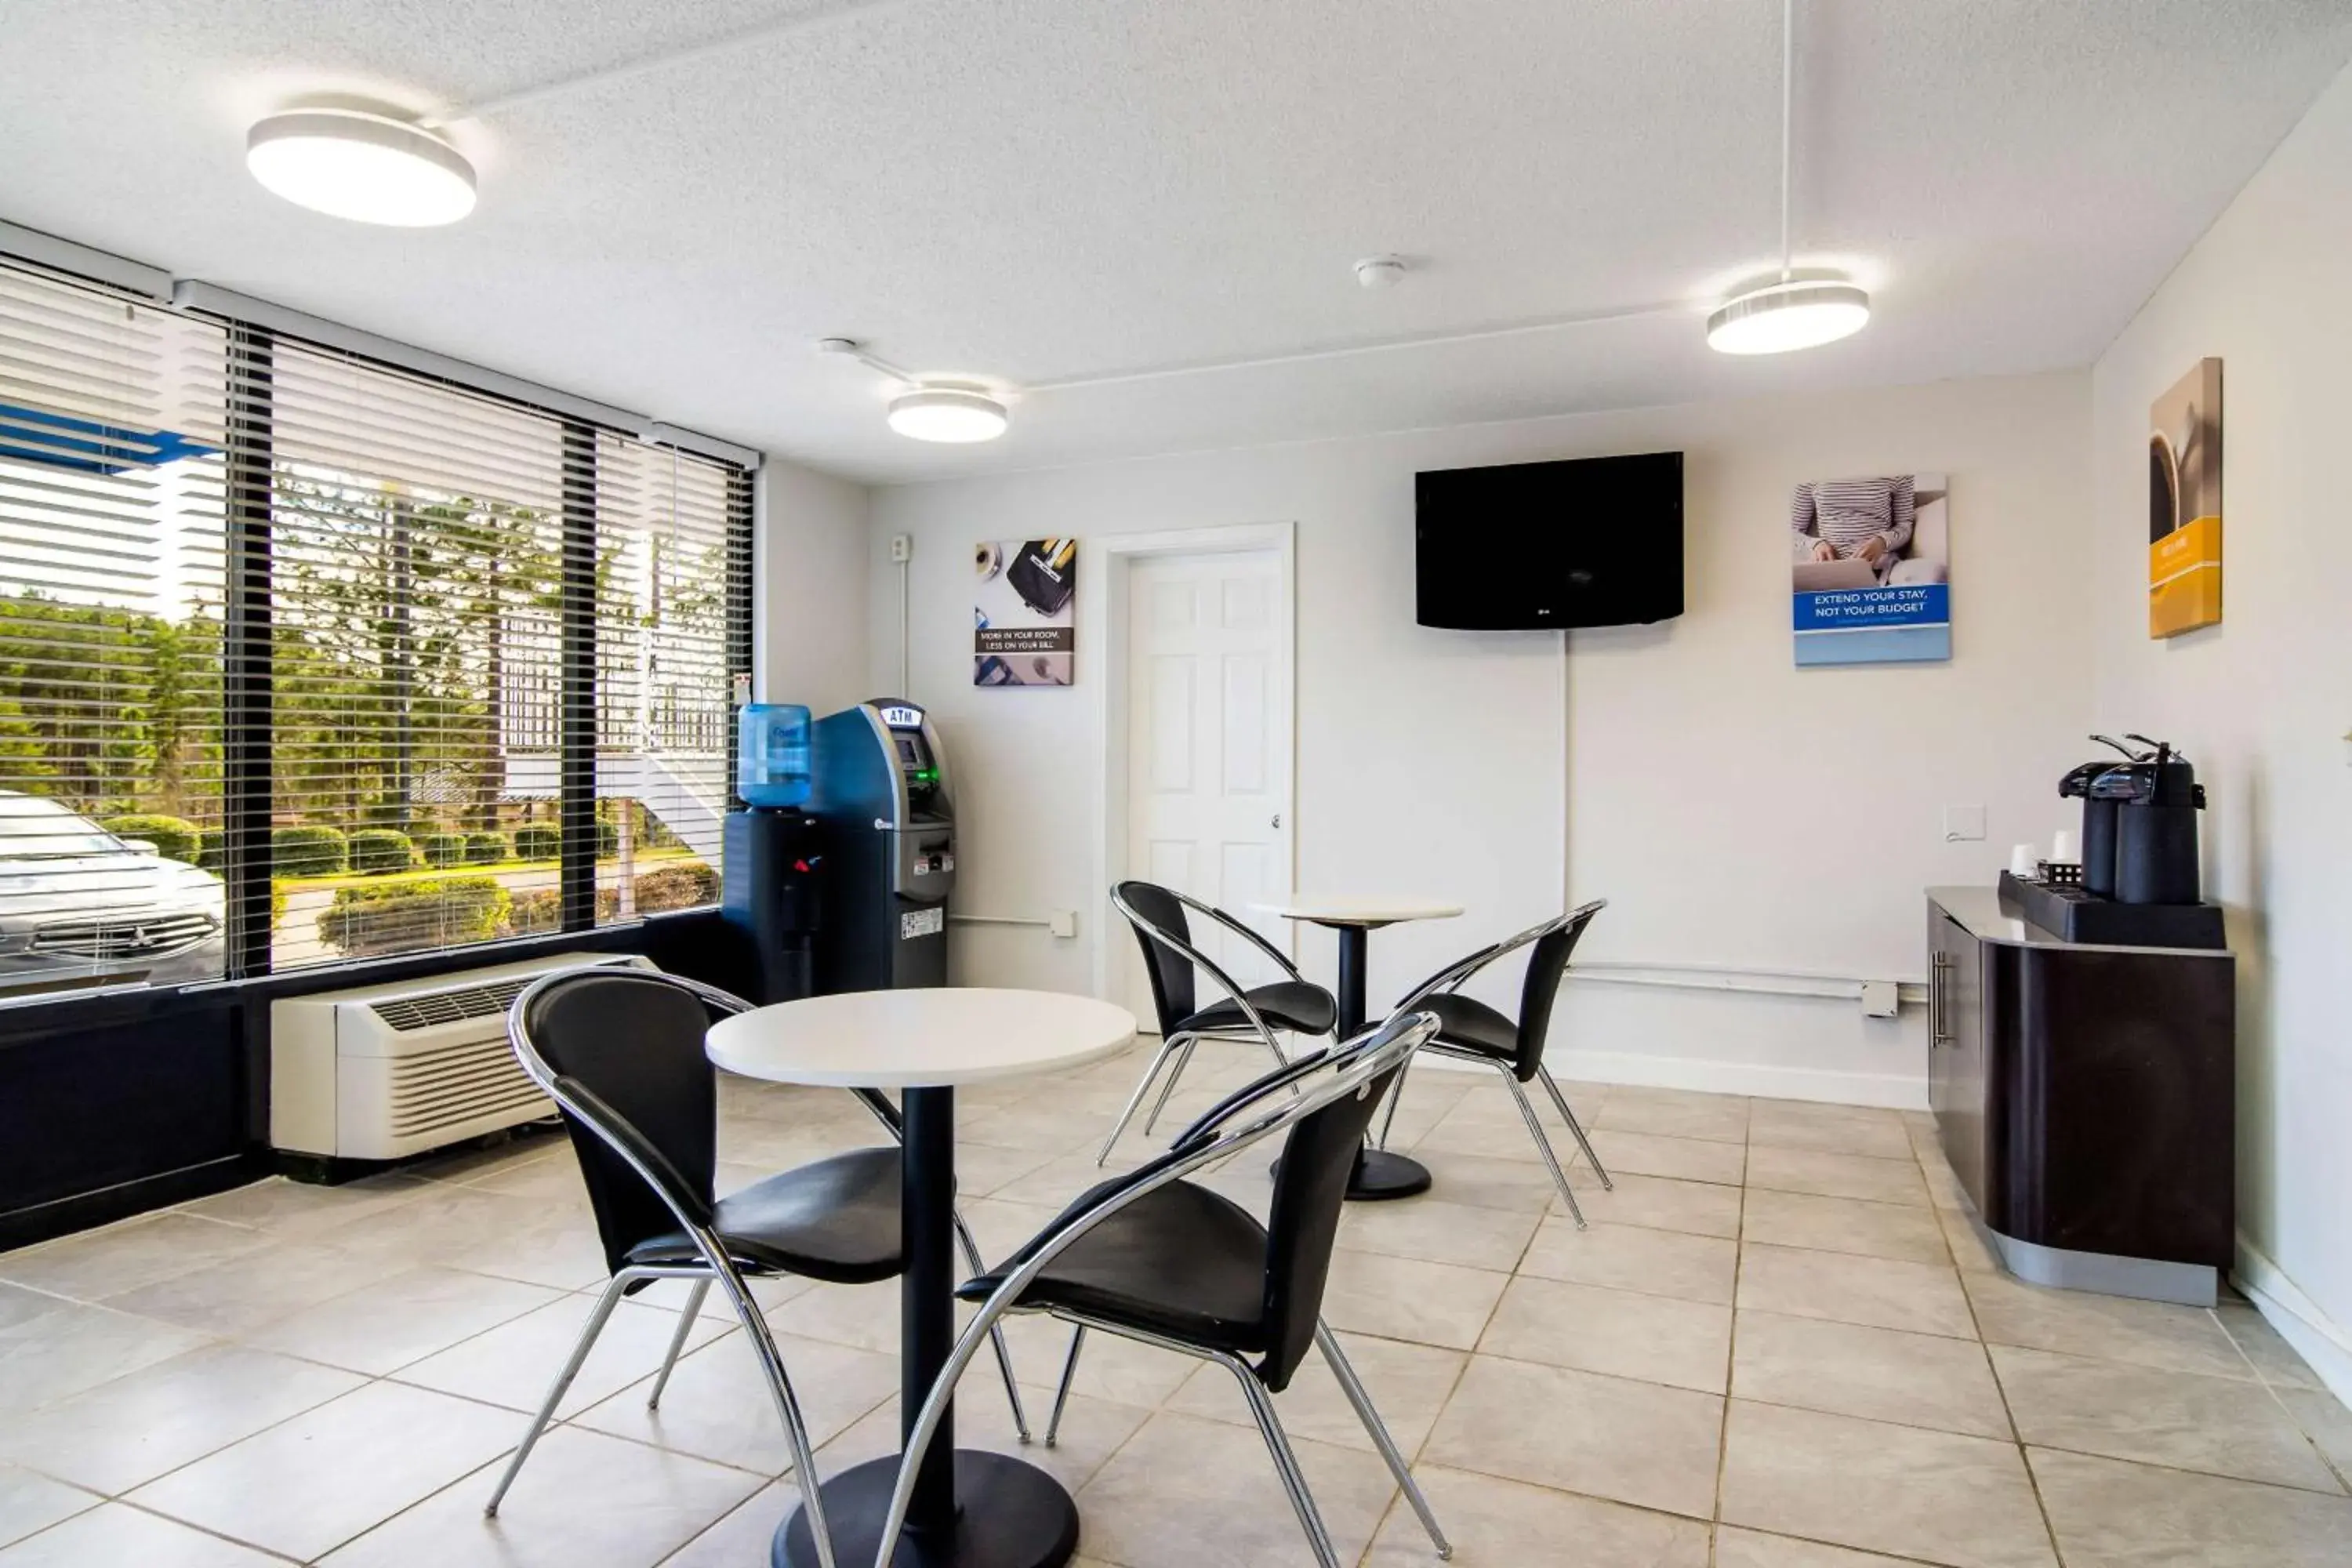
x,y
1594,542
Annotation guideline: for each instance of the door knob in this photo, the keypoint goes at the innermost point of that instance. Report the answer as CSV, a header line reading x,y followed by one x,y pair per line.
x,y
1278,819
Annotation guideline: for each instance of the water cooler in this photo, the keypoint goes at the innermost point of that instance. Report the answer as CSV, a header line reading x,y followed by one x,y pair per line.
x,y
879,785
772,889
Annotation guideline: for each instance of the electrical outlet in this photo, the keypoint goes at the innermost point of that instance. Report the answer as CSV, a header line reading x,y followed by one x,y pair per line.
x,y
1963,823
1063,922
902,548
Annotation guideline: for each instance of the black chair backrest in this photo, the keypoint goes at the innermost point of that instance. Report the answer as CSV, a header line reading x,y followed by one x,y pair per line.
x,y
635,1041
1318,1156
1546,962
1171,971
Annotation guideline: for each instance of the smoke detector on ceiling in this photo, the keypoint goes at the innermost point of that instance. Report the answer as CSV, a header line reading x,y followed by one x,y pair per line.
x,y
1380,271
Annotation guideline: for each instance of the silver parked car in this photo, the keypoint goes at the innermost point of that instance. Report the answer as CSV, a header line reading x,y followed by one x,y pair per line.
x,y
79,906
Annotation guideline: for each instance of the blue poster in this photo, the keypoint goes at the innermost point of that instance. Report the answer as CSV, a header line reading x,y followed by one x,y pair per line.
x,y
1871,572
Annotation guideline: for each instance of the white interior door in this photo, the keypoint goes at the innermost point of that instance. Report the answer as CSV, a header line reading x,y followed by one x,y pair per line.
x,y
1209,746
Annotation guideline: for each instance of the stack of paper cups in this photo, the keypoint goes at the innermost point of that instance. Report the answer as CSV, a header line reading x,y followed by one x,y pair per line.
x,y
2062,851
2022,860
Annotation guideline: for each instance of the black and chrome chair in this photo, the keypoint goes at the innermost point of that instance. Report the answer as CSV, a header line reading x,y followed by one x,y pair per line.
x,y
1250,1014
621,1053
1469,1030
1152,1258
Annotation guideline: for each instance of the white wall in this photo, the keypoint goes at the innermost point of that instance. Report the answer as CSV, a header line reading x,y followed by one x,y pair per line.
x,y
2262,702
809,549
1733,809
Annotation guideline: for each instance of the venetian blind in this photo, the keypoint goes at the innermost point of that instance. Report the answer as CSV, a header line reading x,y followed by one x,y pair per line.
x,y
673,582
415,542
111,619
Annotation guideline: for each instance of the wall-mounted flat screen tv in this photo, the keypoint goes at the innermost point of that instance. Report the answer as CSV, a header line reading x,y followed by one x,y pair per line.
x,y
1593,542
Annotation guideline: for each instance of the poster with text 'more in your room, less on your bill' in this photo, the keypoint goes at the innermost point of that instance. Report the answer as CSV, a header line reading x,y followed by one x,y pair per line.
x,y
1023,624
1870,569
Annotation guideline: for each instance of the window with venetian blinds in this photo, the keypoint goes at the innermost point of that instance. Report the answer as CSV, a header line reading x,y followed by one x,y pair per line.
x,y
314,610
110,620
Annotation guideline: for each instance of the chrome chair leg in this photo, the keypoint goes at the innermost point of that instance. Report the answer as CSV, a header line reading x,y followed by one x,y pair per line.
x,y
1069,1375
1560,1101
1142,1087
1166,1090
1353,1387
974,1262
678,1340
1286,1461
779,1388
1543,1144
596,1326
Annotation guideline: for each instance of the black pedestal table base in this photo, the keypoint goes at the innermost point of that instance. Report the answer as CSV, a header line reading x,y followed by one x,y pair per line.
x,y
1009,1514
1379,1175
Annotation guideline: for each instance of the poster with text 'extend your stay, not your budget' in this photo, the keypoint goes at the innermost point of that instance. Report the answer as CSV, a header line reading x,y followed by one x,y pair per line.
x,y
1871,570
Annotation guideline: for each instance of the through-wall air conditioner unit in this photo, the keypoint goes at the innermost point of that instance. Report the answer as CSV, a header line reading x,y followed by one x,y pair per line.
x,y
381,1071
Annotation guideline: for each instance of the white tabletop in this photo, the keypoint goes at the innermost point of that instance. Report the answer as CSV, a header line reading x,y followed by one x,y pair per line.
x,y
1352,909
919,1039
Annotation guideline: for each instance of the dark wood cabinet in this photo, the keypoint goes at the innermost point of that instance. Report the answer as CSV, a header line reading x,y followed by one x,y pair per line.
x,y
2085,1098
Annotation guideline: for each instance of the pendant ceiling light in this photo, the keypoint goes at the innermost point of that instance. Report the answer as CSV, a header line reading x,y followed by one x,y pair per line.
x,y
1788,313
960,412
369,168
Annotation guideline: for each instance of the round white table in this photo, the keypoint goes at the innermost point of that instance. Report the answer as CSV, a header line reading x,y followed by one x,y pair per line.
x,y
1378,1175
972,1509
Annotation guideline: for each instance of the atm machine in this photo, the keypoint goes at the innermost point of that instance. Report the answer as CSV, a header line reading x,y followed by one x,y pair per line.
x,y
881,786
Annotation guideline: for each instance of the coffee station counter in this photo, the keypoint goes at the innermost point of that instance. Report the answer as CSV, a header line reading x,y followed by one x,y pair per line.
x,y
2084,1094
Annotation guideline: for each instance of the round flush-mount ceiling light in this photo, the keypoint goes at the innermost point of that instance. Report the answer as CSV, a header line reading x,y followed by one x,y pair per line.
x,y
369,168
1784,316
943,413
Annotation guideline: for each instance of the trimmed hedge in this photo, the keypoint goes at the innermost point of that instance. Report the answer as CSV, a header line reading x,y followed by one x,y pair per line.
x,y
442,850
378,849
682,887
538,841
402,917
308,851
541,910
174,838
485,849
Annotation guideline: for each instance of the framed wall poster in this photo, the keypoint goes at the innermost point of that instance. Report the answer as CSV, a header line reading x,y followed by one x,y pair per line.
x,y
1023,621
2184,503
1870,569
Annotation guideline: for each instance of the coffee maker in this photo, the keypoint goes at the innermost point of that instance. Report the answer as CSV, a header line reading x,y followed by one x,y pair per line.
x,y
2138,884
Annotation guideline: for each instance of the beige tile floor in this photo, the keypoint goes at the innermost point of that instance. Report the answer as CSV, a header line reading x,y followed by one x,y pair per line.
x,y
1779,1346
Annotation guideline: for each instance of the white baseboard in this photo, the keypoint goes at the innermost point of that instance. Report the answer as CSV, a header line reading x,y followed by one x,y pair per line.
x,y
1761,1080
2322,1342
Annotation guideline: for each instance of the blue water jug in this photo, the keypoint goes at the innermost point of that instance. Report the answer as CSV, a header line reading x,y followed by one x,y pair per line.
x,y
772,766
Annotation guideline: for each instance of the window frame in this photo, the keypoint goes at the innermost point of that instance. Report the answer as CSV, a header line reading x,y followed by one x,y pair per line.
x,y
248,626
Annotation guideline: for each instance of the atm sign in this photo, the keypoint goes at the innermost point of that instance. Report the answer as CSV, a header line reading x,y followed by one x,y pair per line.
x,y
903,718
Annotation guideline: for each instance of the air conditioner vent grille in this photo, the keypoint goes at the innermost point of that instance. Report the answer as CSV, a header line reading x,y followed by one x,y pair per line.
x,y
428,1009
457,1084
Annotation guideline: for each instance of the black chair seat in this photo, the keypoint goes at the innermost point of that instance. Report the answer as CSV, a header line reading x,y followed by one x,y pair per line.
x,y
1181,1261
1472,1025
1297,1005
837,1219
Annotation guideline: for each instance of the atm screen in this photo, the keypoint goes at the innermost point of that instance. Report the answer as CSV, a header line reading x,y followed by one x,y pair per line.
x,y
914,761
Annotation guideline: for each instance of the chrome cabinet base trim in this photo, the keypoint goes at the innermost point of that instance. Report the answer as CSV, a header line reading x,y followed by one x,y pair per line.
x,y
2105,1274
